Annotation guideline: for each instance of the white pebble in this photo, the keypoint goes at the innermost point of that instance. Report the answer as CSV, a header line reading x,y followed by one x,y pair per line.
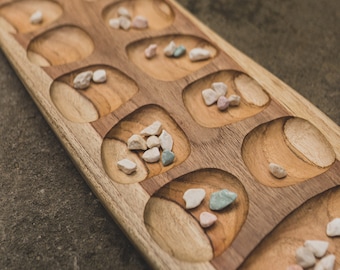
x,y
124,23
153,141
304,257
170,49
193,197
136,142
207,219
36,17
326,263
333,227
198,54
154,129
127,166
166,140
318,247
209,96
82,80
99,76
152,155
220,88
277,170
222,103
140,22
150,51
114,23
234,100
122,11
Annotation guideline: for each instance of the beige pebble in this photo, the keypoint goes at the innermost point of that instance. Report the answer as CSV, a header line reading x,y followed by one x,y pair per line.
x,y
154,129
326,263
150,51
124,23
166,140
127,166
82,80
170,49
294,267
220,88
193,197
152,155
318,247
36,17
333,228
122,11
136,142
198,54
114,23
99,76
304,257
209,96
153,141
277,170
234,100
207,219
140,22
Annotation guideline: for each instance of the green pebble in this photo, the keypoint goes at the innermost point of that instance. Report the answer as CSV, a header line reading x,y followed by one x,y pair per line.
x,y
179,51
221,199
167,157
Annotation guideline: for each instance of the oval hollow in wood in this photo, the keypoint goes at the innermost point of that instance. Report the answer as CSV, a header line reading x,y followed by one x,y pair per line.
x,y
61,45
269,143
114,146
18,14
238,83
166,68
166,218
98,100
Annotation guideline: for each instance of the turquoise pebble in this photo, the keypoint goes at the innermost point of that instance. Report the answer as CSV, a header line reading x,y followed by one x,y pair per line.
x,y
167,157
221,199
179,51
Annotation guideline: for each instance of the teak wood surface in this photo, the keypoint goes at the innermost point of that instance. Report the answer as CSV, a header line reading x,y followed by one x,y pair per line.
x,y
213,150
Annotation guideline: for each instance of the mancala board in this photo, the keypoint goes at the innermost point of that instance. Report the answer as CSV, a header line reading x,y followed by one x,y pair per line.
x,y
214,150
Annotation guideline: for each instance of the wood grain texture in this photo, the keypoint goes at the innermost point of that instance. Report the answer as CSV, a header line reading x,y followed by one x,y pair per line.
x,y
91,42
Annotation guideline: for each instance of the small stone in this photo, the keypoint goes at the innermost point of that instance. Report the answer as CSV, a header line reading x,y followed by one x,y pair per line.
x,y
99,76
221,199
122,11
294,267
198,54
166,140
193,197
150,51
82,80
333,227
277,170
124,23
222,103
140,22
179,51
170,49
153,141
318,247
127,166
136,142
154,129
152,155
234,100
209,96
167,157
36,17
326,263
304,257
114,23
207,219
220,88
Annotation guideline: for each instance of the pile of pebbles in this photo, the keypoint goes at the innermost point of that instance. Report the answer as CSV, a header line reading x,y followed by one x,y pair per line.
x,y
306,255
125,20
83,79
218,201
156,143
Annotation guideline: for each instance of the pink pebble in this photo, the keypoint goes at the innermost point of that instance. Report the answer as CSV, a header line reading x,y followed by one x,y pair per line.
x,y
222,103
294,267
207,219
150,51
140,22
